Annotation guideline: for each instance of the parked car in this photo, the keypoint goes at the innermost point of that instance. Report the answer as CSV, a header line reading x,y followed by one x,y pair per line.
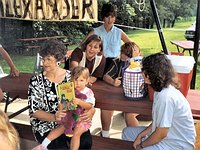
x,y
190,32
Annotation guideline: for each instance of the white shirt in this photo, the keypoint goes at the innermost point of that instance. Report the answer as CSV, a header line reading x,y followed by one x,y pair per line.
x,y
90,95
172,110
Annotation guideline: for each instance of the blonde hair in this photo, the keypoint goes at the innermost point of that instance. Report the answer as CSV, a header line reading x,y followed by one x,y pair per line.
x,y
78,71
8,133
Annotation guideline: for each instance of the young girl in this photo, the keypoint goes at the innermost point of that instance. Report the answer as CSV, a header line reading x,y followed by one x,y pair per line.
x,y
172,124
80,77
9,138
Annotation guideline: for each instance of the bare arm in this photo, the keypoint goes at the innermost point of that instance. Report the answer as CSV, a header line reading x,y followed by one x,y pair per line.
x,y
92,80
125,37
110,80
1,95
88,114
82,103
5,55
46,116
156,137
73,64
55,133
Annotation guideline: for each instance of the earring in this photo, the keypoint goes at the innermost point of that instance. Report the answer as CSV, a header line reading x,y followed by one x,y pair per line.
x,y
58,63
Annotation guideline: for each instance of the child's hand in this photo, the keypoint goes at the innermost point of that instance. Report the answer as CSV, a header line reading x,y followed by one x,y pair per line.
x,y
117,81
76,100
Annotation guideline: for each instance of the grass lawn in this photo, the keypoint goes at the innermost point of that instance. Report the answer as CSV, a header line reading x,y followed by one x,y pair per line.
x,y
148,40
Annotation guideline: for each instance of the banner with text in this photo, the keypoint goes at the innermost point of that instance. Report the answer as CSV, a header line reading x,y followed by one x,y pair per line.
x,y
50,10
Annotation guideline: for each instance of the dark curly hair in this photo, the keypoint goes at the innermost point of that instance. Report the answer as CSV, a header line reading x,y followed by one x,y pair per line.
x,y
158,68
108,9
54,48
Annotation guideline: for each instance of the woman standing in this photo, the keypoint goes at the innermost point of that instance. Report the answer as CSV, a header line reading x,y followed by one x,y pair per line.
x,y
111,35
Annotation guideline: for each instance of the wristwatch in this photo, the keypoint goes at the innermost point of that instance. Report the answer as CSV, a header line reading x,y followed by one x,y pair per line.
x,y
141,145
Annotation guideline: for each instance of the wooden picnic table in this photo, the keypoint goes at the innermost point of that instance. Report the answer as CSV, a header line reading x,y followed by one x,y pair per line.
x,y
33,44
186,45
42,38
107,97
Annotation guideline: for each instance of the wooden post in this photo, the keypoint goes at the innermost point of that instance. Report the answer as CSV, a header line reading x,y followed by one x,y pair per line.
x,y
157,20
196,46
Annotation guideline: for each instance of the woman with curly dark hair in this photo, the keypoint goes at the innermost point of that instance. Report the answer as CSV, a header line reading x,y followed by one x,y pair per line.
x,y
172,125
44,108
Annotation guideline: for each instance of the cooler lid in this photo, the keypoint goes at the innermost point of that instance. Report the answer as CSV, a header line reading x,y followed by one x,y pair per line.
x,y
182,64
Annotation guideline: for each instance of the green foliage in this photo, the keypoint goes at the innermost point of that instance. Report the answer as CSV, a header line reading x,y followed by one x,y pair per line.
x,y
148,41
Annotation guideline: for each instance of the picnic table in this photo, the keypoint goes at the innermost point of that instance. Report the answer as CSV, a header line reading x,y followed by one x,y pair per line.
x,y
32,45
186,45
107,97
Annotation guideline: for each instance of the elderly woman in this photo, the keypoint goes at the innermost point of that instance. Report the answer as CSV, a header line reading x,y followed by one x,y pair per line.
x,y
44,108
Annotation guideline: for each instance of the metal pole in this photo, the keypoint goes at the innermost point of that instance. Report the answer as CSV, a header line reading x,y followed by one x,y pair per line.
x,y
157,20
196,45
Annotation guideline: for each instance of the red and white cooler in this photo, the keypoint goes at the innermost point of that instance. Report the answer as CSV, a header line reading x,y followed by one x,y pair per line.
x,y
183,65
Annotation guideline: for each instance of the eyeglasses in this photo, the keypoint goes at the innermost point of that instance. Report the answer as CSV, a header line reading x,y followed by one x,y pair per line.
x,y
48,59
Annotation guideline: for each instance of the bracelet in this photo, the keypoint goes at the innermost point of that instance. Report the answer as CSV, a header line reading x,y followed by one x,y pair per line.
x,y
141,145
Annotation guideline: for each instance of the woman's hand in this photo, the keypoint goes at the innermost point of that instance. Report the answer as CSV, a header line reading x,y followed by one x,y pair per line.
x,y
14,72
60,113
87,115
136,143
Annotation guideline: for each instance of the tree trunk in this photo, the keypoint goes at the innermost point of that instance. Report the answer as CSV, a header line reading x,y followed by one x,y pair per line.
x,y
173,23
168,23
164,23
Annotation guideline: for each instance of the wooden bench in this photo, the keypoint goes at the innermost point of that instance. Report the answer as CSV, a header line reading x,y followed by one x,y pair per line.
x,y
98,143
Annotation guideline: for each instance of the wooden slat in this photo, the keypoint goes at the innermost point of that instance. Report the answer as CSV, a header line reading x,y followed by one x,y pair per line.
x,y
42,38
100,143
193,98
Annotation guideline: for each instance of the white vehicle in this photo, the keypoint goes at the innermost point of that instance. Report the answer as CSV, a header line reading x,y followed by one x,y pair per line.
x,y
190,32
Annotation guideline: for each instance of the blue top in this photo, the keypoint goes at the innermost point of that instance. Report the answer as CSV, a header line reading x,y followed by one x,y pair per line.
x,y
111,40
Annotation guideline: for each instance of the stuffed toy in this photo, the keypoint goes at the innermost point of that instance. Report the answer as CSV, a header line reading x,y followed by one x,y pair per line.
x,y
72,116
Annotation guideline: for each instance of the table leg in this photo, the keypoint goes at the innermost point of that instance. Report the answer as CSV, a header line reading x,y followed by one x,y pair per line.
x,y
8,101
190,52
178,49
